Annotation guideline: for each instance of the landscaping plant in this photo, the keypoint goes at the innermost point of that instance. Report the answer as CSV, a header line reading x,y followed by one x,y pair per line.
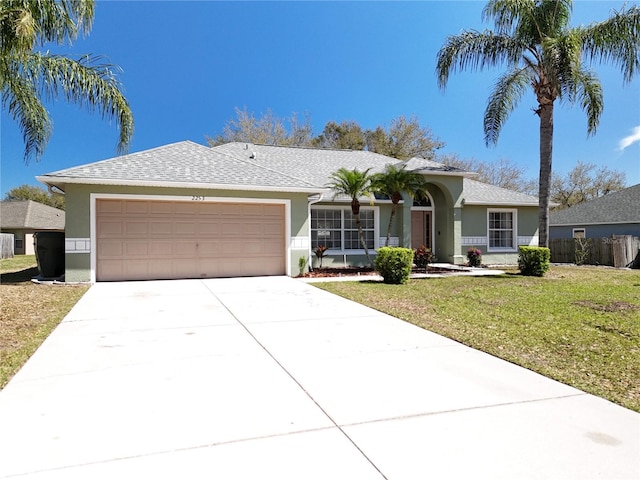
x,y
394,264
474,257
422,257
534,261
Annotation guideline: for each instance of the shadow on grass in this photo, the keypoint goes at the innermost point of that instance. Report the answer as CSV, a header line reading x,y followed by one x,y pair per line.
x,y
22,276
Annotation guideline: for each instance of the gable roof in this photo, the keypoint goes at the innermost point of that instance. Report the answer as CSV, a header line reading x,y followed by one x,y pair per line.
x,y
245,166
28,214
479,193
622,206
182,164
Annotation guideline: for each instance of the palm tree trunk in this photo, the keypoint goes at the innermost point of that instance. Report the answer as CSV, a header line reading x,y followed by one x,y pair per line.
x,y
546,147
356,217
393,212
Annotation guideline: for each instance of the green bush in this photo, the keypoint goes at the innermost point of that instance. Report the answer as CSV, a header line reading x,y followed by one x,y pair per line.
x,y
394,264
533,261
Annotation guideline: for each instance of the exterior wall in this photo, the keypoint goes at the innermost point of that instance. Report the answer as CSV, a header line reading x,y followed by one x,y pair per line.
x,y
475,233
595,231
78,248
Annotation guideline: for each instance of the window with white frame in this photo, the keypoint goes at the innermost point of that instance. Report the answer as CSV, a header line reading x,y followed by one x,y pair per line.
x,y
336,228
502,229
579,233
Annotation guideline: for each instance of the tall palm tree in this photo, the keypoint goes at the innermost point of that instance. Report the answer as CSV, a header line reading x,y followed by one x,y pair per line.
x,y
354,184
28,75
392,183
534,40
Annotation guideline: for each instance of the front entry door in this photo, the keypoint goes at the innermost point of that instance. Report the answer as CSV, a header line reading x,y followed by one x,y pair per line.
x,y
421,229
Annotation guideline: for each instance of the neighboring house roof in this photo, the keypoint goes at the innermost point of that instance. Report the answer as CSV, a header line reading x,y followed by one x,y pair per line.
x,y
618,207
479,193
28,214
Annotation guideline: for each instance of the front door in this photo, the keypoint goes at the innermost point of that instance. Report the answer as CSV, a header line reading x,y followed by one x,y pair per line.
x,y
421,229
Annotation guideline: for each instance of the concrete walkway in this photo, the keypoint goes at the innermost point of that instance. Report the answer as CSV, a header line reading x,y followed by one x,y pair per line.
x,y
271,378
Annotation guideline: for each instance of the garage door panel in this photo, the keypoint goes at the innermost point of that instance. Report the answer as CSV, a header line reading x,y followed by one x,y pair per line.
x,y
161,239
138,228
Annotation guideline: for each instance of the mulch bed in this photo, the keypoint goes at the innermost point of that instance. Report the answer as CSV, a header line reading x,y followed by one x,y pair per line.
x,y
359,271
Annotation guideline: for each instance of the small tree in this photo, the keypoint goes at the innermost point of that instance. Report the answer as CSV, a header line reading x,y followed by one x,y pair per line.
x,y
392,183
354,184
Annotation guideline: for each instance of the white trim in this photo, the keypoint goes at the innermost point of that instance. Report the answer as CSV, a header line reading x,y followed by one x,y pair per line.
x,y
206,186
514,231
301,243
77,245
93,197
531,241
500,204
393,241
473,241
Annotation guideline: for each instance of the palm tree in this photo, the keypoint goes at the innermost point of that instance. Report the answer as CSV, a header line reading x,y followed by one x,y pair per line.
x,y
354,184
534,40
27,75
392,183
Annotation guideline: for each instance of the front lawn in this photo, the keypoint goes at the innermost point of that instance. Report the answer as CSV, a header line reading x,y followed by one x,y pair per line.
x,y
28,312
578,325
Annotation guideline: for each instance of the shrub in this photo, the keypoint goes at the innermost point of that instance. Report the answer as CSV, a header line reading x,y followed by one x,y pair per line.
x,y
302,265
533,261
394,264
422,256
474,257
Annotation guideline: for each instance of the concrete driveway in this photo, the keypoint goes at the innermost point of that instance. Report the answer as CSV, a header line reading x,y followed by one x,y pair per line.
x,y
271,378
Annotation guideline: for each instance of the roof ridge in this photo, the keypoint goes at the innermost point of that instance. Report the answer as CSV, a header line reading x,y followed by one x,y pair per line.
x,y
264,167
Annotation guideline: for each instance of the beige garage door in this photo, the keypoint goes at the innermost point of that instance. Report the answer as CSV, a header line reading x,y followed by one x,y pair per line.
x,y
140,240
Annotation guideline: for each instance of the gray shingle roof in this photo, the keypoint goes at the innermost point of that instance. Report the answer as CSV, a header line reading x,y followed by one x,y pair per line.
x,y
30,215
479,193
246,166
183,163
617,207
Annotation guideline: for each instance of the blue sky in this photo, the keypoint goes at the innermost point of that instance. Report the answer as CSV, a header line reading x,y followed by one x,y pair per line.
x,y
188,65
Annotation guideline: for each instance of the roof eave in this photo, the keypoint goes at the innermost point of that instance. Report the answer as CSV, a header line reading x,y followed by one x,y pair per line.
x,y
501,204
57,181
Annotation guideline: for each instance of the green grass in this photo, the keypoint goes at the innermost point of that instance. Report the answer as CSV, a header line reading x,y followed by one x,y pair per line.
x,y
28,312
578,325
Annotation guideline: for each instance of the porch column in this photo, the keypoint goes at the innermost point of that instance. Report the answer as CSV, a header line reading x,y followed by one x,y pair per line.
x,y
458,257
405,213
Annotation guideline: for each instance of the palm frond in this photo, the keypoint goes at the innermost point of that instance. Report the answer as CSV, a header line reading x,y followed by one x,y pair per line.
x,y
352,183
476,51
85,82
507,13
504,98
20,100
589,90
616,40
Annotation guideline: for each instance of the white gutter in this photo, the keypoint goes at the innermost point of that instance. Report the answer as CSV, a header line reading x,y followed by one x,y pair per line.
x,y
52,181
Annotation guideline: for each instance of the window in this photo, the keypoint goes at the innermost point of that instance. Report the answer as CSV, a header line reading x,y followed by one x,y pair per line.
x,y
19,244
502,229
336,228
579,233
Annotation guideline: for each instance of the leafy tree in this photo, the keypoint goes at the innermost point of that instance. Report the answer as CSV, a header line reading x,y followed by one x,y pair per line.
x,y
393,182
534,40
265,130
344,135
585,182
27,75
502,173
404,139
354,184
37,194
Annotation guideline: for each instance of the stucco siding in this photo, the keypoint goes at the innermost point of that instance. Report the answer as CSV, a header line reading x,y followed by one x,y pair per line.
x,y
78,226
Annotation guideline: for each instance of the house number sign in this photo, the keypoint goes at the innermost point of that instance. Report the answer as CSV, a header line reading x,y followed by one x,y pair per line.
x,y
197,198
